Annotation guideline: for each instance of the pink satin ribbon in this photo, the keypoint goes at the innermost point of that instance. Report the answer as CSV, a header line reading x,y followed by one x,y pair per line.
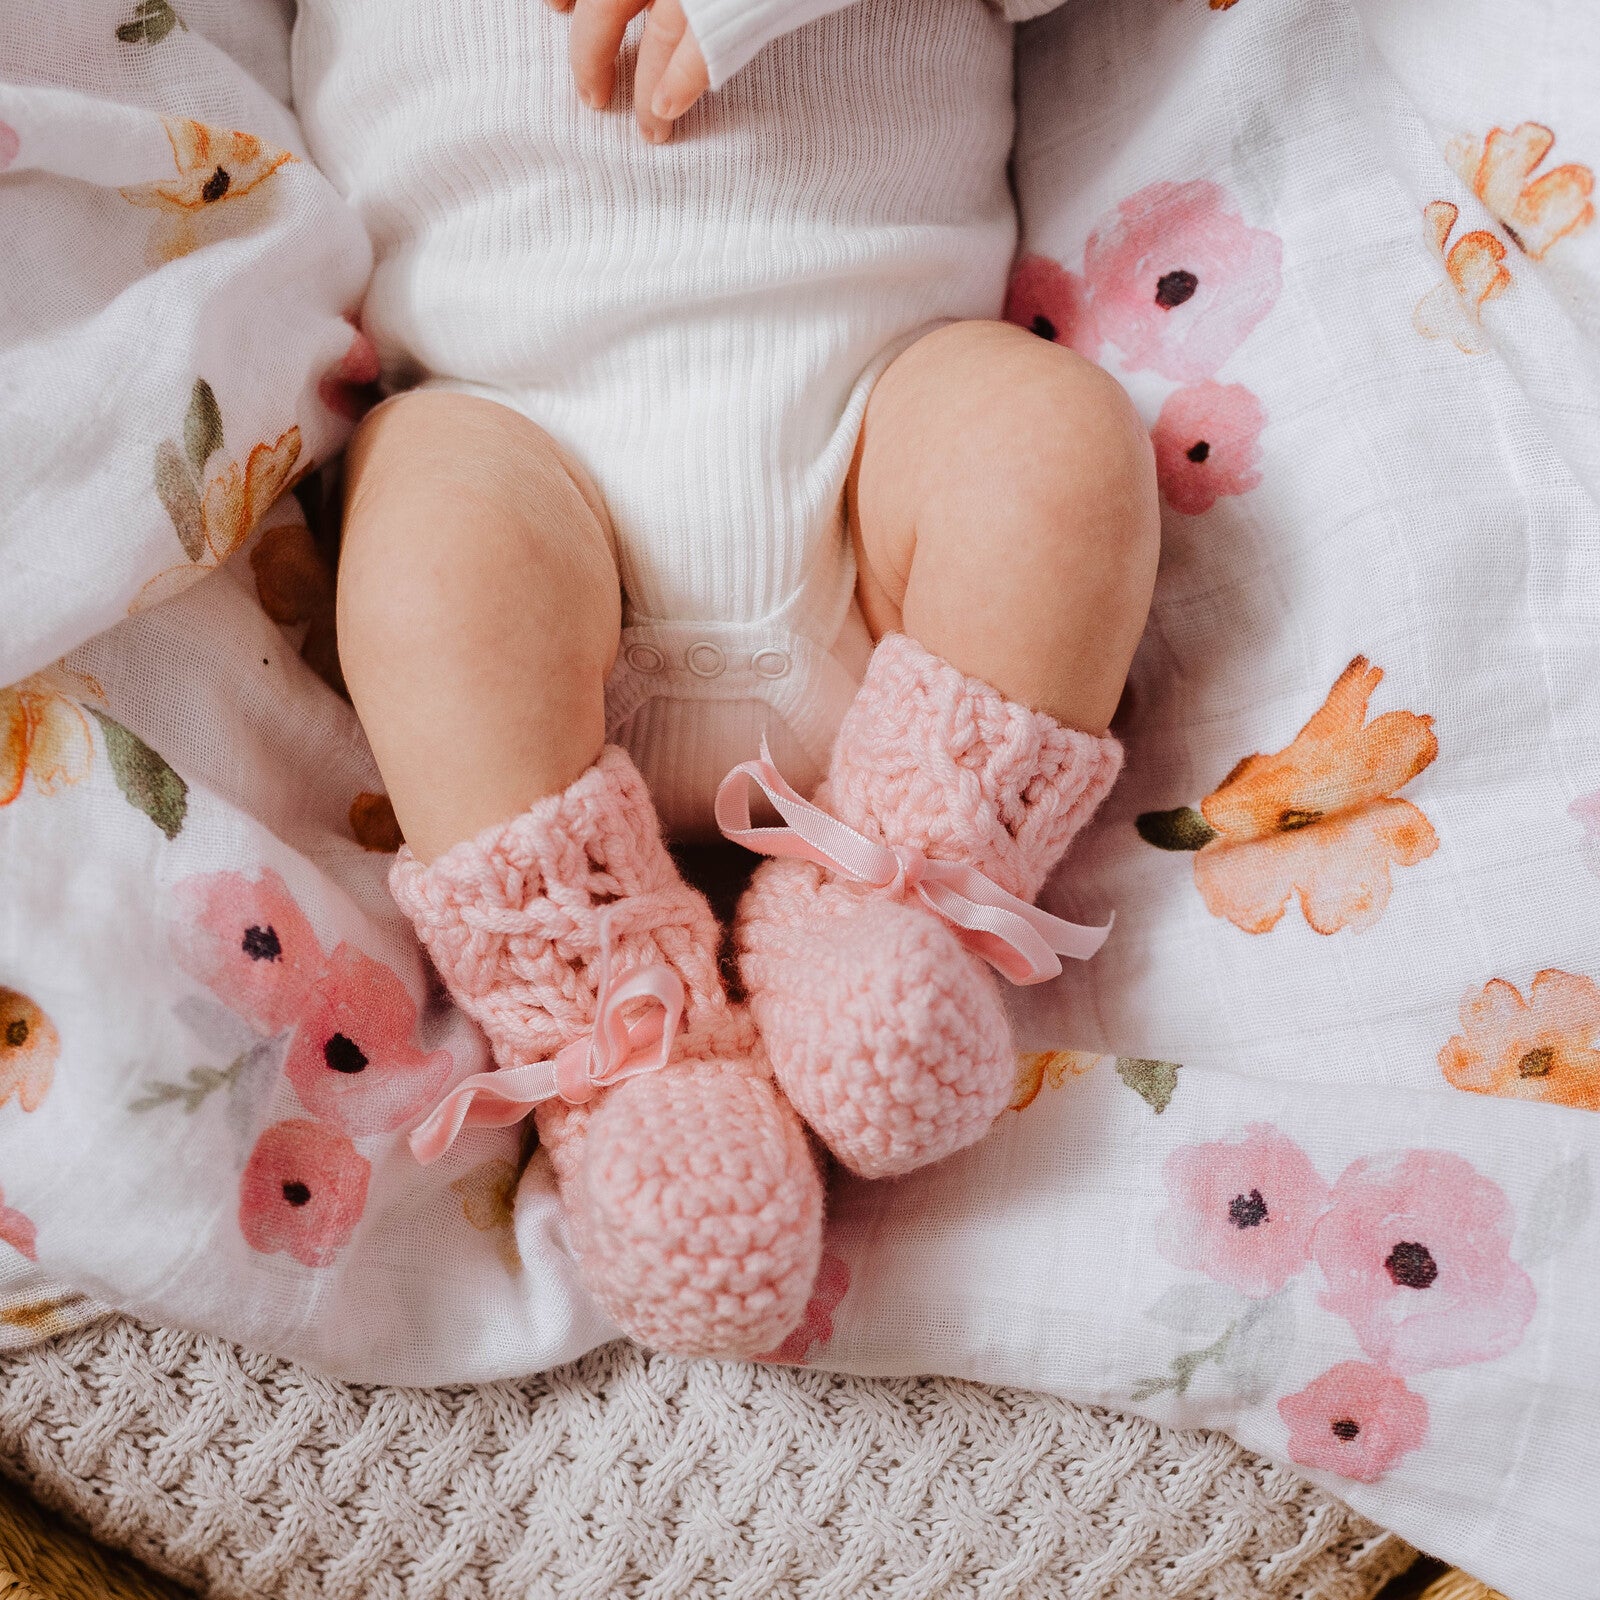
x,y
1018,940
610,1052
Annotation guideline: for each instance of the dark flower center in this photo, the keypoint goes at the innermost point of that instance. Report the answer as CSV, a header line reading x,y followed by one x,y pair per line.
x,y
1345,1428
216,185
1173,288
1297,817
1514,237
296,1193
17,1032
1412,1265
1044,327
1537,1063
1198,451
262,944
343,1054
1247,1210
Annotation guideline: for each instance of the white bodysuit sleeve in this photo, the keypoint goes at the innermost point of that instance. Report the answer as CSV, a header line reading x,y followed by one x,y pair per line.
x,y
731,32
175,308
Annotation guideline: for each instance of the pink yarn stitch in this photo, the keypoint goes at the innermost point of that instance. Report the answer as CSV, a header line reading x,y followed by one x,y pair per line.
x,y
888,1037
695,1204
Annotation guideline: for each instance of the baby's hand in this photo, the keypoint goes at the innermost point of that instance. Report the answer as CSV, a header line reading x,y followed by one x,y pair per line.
x,y
670,74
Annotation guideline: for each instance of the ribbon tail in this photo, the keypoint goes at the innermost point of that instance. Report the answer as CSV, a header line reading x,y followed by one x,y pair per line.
x,y
486,1100
1021,942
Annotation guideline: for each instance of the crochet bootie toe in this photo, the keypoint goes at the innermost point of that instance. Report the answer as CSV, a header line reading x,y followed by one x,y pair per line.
x,y
694,1201
884,1028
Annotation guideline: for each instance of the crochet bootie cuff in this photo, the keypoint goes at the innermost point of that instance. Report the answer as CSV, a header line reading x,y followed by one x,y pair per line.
x,y
512,918
929,757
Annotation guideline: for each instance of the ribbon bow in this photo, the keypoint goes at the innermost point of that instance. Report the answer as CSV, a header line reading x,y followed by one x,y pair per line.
x,y
1018,940
610,1052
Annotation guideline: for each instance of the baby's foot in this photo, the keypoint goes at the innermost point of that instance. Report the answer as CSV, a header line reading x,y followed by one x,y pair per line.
x,y
886,1032
694,1201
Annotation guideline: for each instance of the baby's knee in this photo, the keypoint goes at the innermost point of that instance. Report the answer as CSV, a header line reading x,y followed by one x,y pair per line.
x,y
1055,441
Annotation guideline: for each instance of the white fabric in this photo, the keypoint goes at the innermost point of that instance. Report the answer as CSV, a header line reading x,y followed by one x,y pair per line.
x,y
699,324
1426,475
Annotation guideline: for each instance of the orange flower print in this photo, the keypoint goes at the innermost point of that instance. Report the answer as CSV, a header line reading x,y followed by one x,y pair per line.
x,y
1535,212
295,585
1474,275
44,734
29,1045
217,191
1318,820
1546,1047
488,1196
213,516
1052,1067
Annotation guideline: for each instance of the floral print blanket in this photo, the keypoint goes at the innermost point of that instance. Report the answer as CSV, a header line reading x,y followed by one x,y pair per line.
x,y
1309,1153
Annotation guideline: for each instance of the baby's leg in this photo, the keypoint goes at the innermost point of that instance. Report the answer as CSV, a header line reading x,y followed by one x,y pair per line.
x,y
1003,504
479,612
1004,508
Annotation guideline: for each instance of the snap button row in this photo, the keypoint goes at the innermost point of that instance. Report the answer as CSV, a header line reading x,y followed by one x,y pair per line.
x,y
706,660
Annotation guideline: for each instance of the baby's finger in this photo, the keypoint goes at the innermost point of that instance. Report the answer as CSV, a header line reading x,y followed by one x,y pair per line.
x,y
663,31
597,30
685,79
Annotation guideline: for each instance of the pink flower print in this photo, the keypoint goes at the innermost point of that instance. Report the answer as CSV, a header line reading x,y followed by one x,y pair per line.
x,y
248,942
303,1191
1046,299
1586,810
352,1061
1356,1420
347,390
1207,441
15,1229
816,1325
1176,279
1416,1249
1242,1212
10,144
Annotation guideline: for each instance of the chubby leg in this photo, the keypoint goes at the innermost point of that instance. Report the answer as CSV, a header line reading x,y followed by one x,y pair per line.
x,y
1004,509
479,613
1005,515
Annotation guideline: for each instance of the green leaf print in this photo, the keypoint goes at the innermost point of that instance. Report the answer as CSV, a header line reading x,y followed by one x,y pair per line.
x,y
177,491
202,426
203,1081
152,21
1153,1081
146,781
1183,829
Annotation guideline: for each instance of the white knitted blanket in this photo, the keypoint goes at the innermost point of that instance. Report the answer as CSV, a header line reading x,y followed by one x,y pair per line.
x,y
631,1475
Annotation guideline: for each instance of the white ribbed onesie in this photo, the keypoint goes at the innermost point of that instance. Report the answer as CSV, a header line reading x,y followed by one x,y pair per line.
x,y
699,323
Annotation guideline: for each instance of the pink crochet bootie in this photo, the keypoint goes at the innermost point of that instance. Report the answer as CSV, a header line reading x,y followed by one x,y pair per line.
x,y
694,1200
885,1028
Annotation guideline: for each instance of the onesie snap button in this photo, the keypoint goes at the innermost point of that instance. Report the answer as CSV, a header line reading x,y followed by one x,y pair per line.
x,y
771,663
706,660
645,658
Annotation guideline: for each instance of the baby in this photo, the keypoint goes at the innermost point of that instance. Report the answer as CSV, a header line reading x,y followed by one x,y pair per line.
x,y
705,446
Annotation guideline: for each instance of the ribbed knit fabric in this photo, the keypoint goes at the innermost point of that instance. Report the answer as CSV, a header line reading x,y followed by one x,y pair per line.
x,y
887,1035
731,32
695,1205
698,323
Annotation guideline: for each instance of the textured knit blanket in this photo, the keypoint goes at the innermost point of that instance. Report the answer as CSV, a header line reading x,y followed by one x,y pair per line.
x,y
632,1477
1307,1154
